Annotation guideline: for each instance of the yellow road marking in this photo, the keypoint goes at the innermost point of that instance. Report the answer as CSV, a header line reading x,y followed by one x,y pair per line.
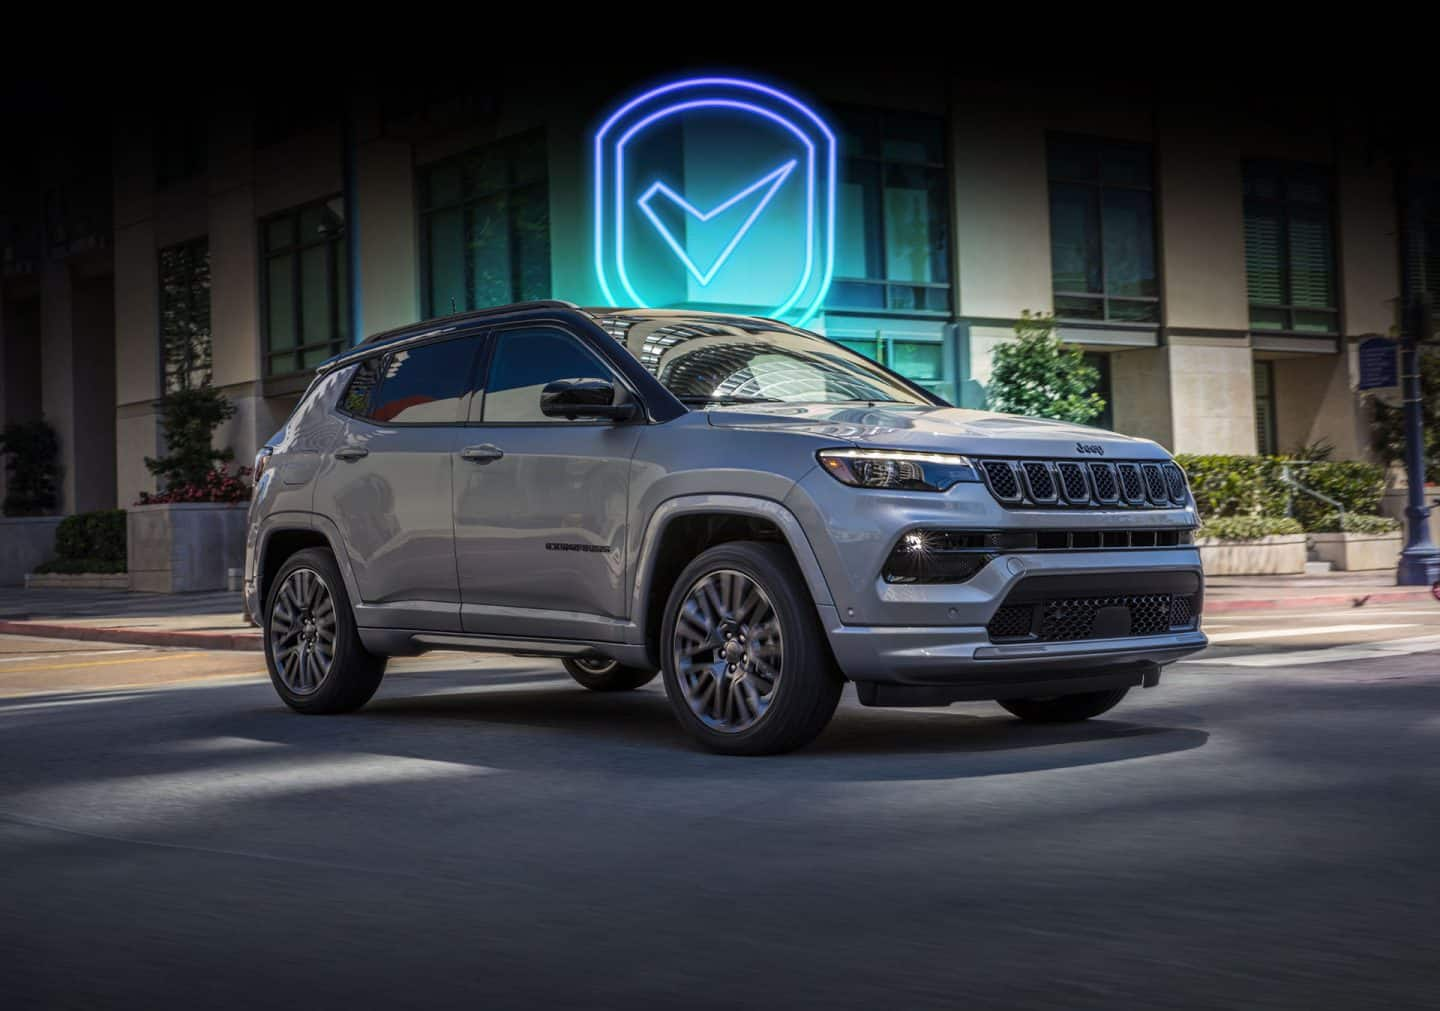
x,y
105,663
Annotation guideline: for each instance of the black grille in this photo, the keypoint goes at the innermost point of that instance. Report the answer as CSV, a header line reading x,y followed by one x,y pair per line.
x,y
1037,476
1074,618
1072,482
1002,479
1182,611
1012,622
1155,483
1130,483
1082,483
1102,475
1175,478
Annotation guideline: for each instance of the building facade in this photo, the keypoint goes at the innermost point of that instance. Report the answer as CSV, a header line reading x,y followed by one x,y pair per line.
x,y
1219,262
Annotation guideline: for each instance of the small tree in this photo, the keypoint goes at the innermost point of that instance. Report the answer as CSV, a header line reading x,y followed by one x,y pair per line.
x,y
188,419
1388,433
1038,376
32,451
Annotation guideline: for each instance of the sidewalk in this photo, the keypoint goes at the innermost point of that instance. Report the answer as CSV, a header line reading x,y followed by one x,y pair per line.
x,y
194,620
213,620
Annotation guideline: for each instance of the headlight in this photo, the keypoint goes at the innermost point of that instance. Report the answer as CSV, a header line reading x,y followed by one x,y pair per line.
x,y
898,469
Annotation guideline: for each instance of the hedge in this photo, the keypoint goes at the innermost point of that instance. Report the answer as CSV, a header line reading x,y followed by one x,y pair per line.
x,y
1248,528
1354,523
89,542
1227,486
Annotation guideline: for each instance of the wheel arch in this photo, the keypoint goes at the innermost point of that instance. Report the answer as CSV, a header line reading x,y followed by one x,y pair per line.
x,y
286,533
680,528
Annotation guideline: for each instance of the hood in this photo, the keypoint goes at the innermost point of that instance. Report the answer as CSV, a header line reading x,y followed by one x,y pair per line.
x,y
940,430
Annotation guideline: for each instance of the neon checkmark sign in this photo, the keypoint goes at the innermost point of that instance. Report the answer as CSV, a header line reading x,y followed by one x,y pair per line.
x,y
767,185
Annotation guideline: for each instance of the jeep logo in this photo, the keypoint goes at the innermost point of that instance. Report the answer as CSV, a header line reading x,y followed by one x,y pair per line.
x,y
1090,448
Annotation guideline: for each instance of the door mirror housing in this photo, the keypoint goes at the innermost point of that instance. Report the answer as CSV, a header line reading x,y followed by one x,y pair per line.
x,y
576,399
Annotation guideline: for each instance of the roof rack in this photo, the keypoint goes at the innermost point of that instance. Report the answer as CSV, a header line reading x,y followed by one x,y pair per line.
x,y
465,317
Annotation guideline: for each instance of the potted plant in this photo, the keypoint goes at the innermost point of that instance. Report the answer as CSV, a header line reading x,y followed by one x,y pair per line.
x,y
187,535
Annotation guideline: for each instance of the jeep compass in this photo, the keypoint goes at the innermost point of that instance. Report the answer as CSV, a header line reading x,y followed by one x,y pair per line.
x,y
754,512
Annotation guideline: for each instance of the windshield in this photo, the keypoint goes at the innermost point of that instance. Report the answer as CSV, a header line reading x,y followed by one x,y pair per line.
x,y
736,360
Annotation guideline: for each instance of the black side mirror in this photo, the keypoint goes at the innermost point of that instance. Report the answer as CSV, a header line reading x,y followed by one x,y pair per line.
x,y
584,398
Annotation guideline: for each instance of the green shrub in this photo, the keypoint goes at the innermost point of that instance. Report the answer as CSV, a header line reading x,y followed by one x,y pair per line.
x,y
1039,376
1358,487
80,565
1353,523
1252,486
188,419
33,453
1248,528
96,538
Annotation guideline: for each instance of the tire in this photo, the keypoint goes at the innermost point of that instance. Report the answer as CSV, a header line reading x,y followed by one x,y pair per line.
x,y
1065,708
602,675
782,687
306,592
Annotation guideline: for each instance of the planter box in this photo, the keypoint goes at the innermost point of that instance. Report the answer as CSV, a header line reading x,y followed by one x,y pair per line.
x,y
77,581
183,547
1357,552
25,542
1277,555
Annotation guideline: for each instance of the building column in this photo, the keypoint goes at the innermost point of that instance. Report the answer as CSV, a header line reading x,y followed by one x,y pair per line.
x,y
389,259
1212,395
57,370
137,358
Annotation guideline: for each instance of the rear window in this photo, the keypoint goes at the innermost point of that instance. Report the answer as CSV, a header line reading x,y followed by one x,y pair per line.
x,y
426,384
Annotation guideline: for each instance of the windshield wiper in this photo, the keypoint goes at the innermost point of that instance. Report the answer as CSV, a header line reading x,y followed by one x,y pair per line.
x,y
729,400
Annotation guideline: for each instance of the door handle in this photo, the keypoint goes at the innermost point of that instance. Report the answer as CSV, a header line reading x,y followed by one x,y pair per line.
x,y
481,454
352,453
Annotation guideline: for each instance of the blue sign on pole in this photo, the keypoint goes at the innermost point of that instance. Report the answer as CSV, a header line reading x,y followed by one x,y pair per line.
x,y
1378,364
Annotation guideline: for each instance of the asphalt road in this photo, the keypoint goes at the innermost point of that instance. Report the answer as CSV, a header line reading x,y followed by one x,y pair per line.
x,y
1260,831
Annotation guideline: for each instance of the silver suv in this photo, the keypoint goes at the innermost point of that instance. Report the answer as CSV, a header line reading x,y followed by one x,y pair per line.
x,y
756,512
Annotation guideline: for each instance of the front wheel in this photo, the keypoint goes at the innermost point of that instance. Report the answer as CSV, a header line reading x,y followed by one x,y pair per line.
x,y
601,674
746,666
1065,708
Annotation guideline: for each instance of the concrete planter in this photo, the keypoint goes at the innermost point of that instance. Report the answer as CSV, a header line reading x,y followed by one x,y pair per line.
x,y
1357,552
77,581
183,547
1276,555
25,542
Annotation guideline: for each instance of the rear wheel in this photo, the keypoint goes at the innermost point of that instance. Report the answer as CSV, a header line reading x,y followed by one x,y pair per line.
x,y
600,674
1065,708
746,665
312,647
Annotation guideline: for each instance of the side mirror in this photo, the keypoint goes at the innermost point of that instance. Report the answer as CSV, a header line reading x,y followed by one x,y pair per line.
x,y
572,399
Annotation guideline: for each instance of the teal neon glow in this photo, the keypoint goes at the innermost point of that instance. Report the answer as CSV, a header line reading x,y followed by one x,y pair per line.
x,y
774,179
749,101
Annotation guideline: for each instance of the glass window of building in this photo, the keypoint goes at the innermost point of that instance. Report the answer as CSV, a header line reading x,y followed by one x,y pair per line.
x,y
1102,231
305,308
485,227
1265,440
1290,249
892,242
185,337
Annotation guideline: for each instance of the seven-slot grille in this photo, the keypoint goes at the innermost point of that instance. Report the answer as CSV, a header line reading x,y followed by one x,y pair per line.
x,y
1072,483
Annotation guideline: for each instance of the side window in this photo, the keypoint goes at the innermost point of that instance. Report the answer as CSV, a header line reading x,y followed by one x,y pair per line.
x,y
427,384
356,399
525,361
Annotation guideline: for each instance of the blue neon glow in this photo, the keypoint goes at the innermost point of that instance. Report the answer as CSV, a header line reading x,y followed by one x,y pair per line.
x,y
815,175
790,300
774,179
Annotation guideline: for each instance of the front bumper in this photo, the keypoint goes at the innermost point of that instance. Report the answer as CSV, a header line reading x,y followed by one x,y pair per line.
x,y
964,655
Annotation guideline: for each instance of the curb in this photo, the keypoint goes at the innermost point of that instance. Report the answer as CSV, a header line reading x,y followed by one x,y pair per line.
x,y
246,641
1326,600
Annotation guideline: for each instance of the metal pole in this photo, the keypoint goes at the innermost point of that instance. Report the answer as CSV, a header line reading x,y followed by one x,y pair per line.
x,y
349,161
1420,561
